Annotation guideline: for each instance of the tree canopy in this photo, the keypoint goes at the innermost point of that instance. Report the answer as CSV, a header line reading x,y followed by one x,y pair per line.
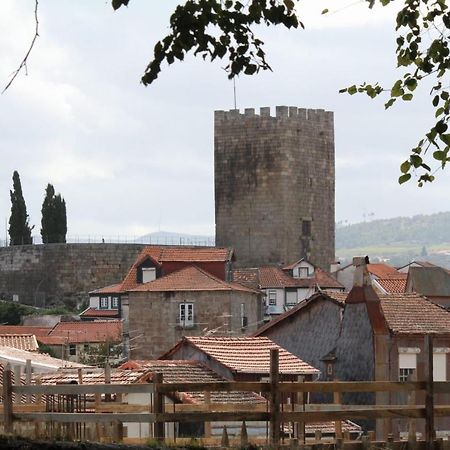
x,y
54,219
19,228
226,30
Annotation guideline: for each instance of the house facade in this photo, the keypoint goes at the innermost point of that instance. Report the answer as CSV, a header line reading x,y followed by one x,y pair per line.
x,y
189,302
152,263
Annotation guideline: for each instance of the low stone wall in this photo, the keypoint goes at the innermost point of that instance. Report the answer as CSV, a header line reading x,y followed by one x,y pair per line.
x,y
52,274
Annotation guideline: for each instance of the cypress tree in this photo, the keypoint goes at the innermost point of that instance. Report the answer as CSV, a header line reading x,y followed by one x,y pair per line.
x,y
54,220
19,228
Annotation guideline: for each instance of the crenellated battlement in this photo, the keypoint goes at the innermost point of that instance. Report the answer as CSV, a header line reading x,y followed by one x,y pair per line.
x,y
281,112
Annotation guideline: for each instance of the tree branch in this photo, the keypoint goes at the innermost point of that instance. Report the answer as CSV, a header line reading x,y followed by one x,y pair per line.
x,y
23,64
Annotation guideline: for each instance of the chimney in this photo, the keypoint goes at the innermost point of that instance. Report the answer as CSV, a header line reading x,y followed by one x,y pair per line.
x,y
334,267
361,276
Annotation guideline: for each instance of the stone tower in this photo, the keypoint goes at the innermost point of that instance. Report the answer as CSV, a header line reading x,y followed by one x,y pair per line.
x,y
274,185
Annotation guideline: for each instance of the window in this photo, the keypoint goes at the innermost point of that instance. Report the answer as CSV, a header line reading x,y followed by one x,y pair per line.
x,y
104,303
303,272
86,347
148,274
272,297
187,314
306,227
72,349
407,363
439,366
115,302
244,318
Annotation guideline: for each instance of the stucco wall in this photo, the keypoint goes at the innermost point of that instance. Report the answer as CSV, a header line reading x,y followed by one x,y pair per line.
x,y
48,274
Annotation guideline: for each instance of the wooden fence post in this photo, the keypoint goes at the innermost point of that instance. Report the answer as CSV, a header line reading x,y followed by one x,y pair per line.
x,y
337,400
7,399
274,398
208,408
429,402
158,407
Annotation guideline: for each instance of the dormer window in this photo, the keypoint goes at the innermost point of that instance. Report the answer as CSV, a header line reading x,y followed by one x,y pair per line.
x,y
104,304
148,274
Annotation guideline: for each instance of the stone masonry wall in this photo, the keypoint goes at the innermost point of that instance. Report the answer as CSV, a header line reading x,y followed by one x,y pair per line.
x,y
48,274
274,185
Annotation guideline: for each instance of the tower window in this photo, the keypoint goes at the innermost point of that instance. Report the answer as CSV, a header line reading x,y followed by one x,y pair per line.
x,y
306,227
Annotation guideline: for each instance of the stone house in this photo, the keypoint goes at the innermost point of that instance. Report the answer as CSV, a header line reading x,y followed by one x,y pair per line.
x,y
190,302
285,288
90,342
241,358
368,337
155,262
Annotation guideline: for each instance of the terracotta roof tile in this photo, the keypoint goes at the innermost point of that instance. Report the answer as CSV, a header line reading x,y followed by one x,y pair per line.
x,y
382,270
273,277
80,332
161,254
392,285
20,341
249,354
182,371
118,376
190,278
414,314
94,312
21,329
111,289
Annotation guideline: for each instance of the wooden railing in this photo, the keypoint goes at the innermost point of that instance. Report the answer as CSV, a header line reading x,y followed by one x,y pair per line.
x,y
274,412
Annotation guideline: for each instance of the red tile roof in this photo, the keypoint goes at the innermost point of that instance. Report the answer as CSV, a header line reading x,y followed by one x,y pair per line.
x,y
392,285
414,314
188,371
84,332
20,329
273,277
94,312
111,289
247,354
382,270
190,278
161,254
20,341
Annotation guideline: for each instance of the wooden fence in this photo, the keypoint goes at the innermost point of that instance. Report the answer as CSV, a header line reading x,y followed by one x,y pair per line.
x,y
78,405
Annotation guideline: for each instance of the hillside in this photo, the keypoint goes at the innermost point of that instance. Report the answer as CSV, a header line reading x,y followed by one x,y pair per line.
x,y
398,240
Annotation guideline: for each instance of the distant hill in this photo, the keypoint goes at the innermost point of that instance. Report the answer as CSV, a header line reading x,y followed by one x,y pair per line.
x,y
398,240
170,238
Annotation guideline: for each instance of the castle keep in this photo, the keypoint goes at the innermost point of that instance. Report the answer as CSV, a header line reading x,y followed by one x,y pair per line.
x,y
274,185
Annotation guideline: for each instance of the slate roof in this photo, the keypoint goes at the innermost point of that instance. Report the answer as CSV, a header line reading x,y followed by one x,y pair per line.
x,y
414,314
190,278
300,307
273,277
84,332
188,371
429,281
246,354
20,341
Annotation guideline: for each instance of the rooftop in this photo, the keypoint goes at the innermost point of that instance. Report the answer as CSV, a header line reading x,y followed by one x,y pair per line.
x,y
94,312
20,341
247,354
84,332
190,278
20,329
392,285
381,270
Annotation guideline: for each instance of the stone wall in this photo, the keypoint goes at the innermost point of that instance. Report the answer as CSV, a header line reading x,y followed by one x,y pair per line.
x,y
274,185
49,274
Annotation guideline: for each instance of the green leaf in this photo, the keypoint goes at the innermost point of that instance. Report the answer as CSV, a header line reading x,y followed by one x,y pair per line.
x,y
324,11
439,155
404,178
404,168
389,103
116,4
407,97
441,127
352,90
397,90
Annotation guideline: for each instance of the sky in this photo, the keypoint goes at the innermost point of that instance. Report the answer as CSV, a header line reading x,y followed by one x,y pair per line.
x,y
130,160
